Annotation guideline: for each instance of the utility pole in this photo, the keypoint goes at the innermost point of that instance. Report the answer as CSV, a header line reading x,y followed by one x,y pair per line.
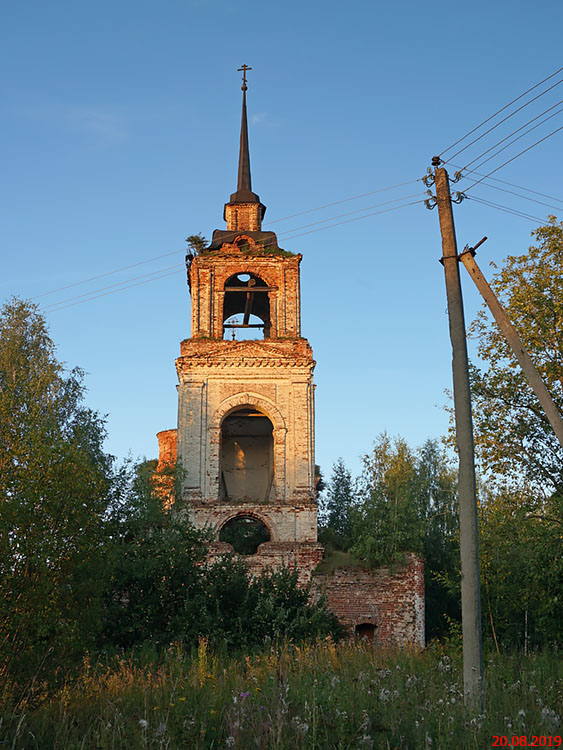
x,y
503,321
469,547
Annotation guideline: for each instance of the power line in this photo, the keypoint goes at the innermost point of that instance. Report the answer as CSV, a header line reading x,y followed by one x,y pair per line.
x,y
514,133
357,218
499,111
108,273
156,275
514,157
524,197
504,119
345,200
515,139
104,294
176,266
166,255
349,213
510,184
506,209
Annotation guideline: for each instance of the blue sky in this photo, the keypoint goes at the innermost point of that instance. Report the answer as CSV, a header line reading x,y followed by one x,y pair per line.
x,y
120,134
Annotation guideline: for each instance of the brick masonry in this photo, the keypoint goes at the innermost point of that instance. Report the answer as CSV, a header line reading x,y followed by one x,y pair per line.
x,y
390,600
268,377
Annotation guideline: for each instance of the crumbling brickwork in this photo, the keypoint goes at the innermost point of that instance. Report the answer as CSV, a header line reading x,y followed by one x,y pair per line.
x,y
389,600
245,435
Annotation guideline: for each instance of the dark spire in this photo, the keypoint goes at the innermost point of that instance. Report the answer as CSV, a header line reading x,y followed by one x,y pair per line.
x,y
244,192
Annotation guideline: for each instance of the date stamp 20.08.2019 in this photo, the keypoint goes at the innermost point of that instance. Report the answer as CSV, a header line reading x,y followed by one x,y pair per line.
x,y
500,740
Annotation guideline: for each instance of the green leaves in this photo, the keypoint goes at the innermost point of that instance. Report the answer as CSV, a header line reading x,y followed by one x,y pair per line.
x,y
54,483
514,440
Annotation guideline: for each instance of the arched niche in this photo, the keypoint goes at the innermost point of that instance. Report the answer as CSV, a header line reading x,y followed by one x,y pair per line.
x,y
255,401
246,458
246,307
245,533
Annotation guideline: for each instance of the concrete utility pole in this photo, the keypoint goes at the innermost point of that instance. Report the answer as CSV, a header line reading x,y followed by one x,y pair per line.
x,y
469,548
511,335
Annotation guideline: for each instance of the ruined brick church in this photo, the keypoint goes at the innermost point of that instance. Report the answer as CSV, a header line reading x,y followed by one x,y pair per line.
x,y
245,436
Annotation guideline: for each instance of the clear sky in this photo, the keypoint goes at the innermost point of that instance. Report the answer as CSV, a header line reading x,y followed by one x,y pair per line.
x,y
120,125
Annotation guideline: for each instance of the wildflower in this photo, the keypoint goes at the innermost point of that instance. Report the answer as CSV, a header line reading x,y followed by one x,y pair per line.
x,y
161,729
230,741
244,695
143,723
335,681
548,716
301,726
444,665
155,708
182,698
384,695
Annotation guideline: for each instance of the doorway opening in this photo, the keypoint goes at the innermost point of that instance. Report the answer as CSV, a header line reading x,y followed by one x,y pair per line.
x,y
365,631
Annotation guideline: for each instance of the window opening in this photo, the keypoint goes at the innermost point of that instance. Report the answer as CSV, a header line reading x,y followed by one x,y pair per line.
x,y
247,457
245,533
246,307
235,330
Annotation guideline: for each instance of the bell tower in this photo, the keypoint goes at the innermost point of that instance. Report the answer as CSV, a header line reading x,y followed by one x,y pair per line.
x,y
245,437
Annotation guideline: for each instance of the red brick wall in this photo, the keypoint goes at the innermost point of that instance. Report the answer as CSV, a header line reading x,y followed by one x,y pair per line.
x,y
391,600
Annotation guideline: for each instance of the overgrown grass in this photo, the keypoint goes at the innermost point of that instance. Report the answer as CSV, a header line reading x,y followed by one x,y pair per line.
x,y
317,696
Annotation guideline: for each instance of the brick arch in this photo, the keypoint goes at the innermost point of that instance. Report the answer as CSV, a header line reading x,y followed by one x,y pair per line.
x,y
270,410
255,400
247,514
246,265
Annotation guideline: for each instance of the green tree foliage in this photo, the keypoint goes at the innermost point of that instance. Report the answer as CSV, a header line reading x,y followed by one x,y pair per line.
x,y
404,501
242,611
161,590
407,502
55,484
521,513
337,508
512,435
389,514
436,487
153,567
521,552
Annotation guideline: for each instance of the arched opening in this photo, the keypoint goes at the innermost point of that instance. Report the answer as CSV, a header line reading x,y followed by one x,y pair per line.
x,y
246,308
247,457
245,533
365,631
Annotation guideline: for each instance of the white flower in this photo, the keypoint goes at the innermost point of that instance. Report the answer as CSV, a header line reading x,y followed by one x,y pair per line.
x,y
143,723
548,716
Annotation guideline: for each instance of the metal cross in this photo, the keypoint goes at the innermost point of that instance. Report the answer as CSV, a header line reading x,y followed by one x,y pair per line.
x,y
244,69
